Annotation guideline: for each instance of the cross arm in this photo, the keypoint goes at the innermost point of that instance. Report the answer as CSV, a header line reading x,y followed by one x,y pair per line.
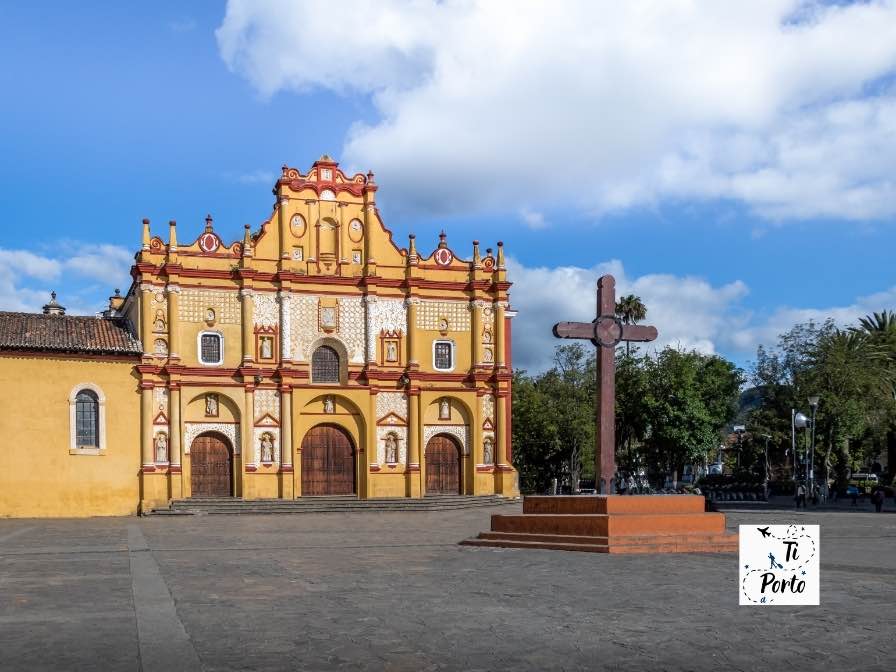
x,y
574,330
637,332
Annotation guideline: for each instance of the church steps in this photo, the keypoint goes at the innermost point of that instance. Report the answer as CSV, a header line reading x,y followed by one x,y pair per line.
x,y
326,505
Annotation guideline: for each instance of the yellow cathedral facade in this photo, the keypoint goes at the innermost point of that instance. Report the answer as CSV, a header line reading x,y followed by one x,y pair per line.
x,y
313,357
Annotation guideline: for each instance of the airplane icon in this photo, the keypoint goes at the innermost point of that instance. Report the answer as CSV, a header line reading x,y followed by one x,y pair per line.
x,y
764,531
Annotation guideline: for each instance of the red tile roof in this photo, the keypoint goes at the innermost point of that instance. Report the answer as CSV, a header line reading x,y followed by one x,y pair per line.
x,y
68,333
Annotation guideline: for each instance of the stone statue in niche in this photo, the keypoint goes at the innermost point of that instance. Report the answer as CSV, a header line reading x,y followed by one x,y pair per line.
x,y
391,351
487,356
161,447
391,449
329,406
487,451
211,405
161,347
159,322
328,317
267,347
267,447
209,315
443,325
486,336
444,410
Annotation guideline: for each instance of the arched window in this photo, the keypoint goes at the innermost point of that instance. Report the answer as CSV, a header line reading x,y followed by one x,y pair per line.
x,y
87,419
325,365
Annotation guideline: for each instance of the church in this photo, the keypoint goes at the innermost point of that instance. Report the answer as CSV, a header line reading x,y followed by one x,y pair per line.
x,y
313,357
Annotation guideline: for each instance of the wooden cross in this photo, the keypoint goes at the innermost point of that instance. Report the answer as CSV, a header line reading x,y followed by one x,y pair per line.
x,y
606,332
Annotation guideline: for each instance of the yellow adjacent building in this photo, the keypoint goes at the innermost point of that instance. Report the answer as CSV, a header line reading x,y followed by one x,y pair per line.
x,y
313,357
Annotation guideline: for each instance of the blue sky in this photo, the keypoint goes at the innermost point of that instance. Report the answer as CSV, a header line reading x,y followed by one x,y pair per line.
x,y
738,184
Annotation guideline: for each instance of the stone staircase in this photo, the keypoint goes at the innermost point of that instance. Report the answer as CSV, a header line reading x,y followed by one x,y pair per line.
x,y
329,504
611,524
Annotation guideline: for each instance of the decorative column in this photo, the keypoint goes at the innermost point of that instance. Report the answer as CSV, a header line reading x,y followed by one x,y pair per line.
x,y
174,428
285,299
500,307
477,307
283,218
146,421
146,293
286,428
247,439
247,317
173,321
371,318
501,430
411,303
414,443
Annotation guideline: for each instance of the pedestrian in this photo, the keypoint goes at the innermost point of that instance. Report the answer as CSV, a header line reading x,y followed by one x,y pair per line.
x,y
877,498
801,495
833,491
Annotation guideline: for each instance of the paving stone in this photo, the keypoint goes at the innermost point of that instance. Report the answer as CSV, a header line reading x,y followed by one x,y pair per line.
x,y
394,591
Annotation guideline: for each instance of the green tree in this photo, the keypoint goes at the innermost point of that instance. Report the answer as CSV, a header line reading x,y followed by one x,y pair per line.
x,y
631,310
691,398
553,420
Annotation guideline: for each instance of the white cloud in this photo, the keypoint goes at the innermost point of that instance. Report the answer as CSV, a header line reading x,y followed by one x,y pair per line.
x,y
26,278
534,220
599,104
689,312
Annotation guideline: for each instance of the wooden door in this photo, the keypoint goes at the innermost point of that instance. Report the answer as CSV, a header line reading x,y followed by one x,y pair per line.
x,y
442,466
211,467
328,462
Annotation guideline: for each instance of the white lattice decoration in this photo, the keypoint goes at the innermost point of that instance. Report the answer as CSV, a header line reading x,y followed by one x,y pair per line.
x,y
382,433
351,326
195,302
256,443
285,324
430,313
160,400
303,309
488,407
391,402
265,308
384,314
267,402
228,429
460,432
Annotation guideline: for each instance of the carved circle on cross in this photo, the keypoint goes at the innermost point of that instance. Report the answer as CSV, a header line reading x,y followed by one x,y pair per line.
x,y
607,331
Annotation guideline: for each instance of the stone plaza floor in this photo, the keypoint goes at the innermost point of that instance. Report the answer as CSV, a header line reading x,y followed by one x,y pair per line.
x,y
394,591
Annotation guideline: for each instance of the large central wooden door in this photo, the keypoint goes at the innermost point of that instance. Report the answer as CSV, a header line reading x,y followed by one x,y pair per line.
x,y
211,467
328,462
442,466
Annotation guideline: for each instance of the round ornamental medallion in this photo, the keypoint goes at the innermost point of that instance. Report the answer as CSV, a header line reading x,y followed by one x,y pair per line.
x,y
608,331
488,264
356,230
443,256
208,242
298,225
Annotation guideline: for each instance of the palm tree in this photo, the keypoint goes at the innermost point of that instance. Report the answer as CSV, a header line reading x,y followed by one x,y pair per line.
x,y
631,310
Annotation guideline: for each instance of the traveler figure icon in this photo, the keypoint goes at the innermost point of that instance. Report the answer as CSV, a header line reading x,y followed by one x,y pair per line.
x,y
774,563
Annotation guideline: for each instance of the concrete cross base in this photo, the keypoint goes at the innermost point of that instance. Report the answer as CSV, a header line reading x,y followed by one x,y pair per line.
x,y
612,524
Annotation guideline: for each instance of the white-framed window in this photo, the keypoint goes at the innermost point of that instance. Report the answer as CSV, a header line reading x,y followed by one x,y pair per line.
x,y
87,420
210,348
443,355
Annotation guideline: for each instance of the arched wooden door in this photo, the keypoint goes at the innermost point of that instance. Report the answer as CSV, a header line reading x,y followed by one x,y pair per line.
x,y
442,466
328,462
211,467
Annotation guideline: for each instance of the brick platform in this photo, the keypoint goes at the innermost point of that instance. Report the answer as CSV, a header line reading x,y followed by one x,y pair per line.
x,y
612,524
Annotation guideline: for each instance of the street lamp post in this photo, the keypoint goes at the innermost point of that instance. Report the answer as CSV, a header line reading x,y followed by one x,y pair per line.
x,y
765,479
813,403
797,421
